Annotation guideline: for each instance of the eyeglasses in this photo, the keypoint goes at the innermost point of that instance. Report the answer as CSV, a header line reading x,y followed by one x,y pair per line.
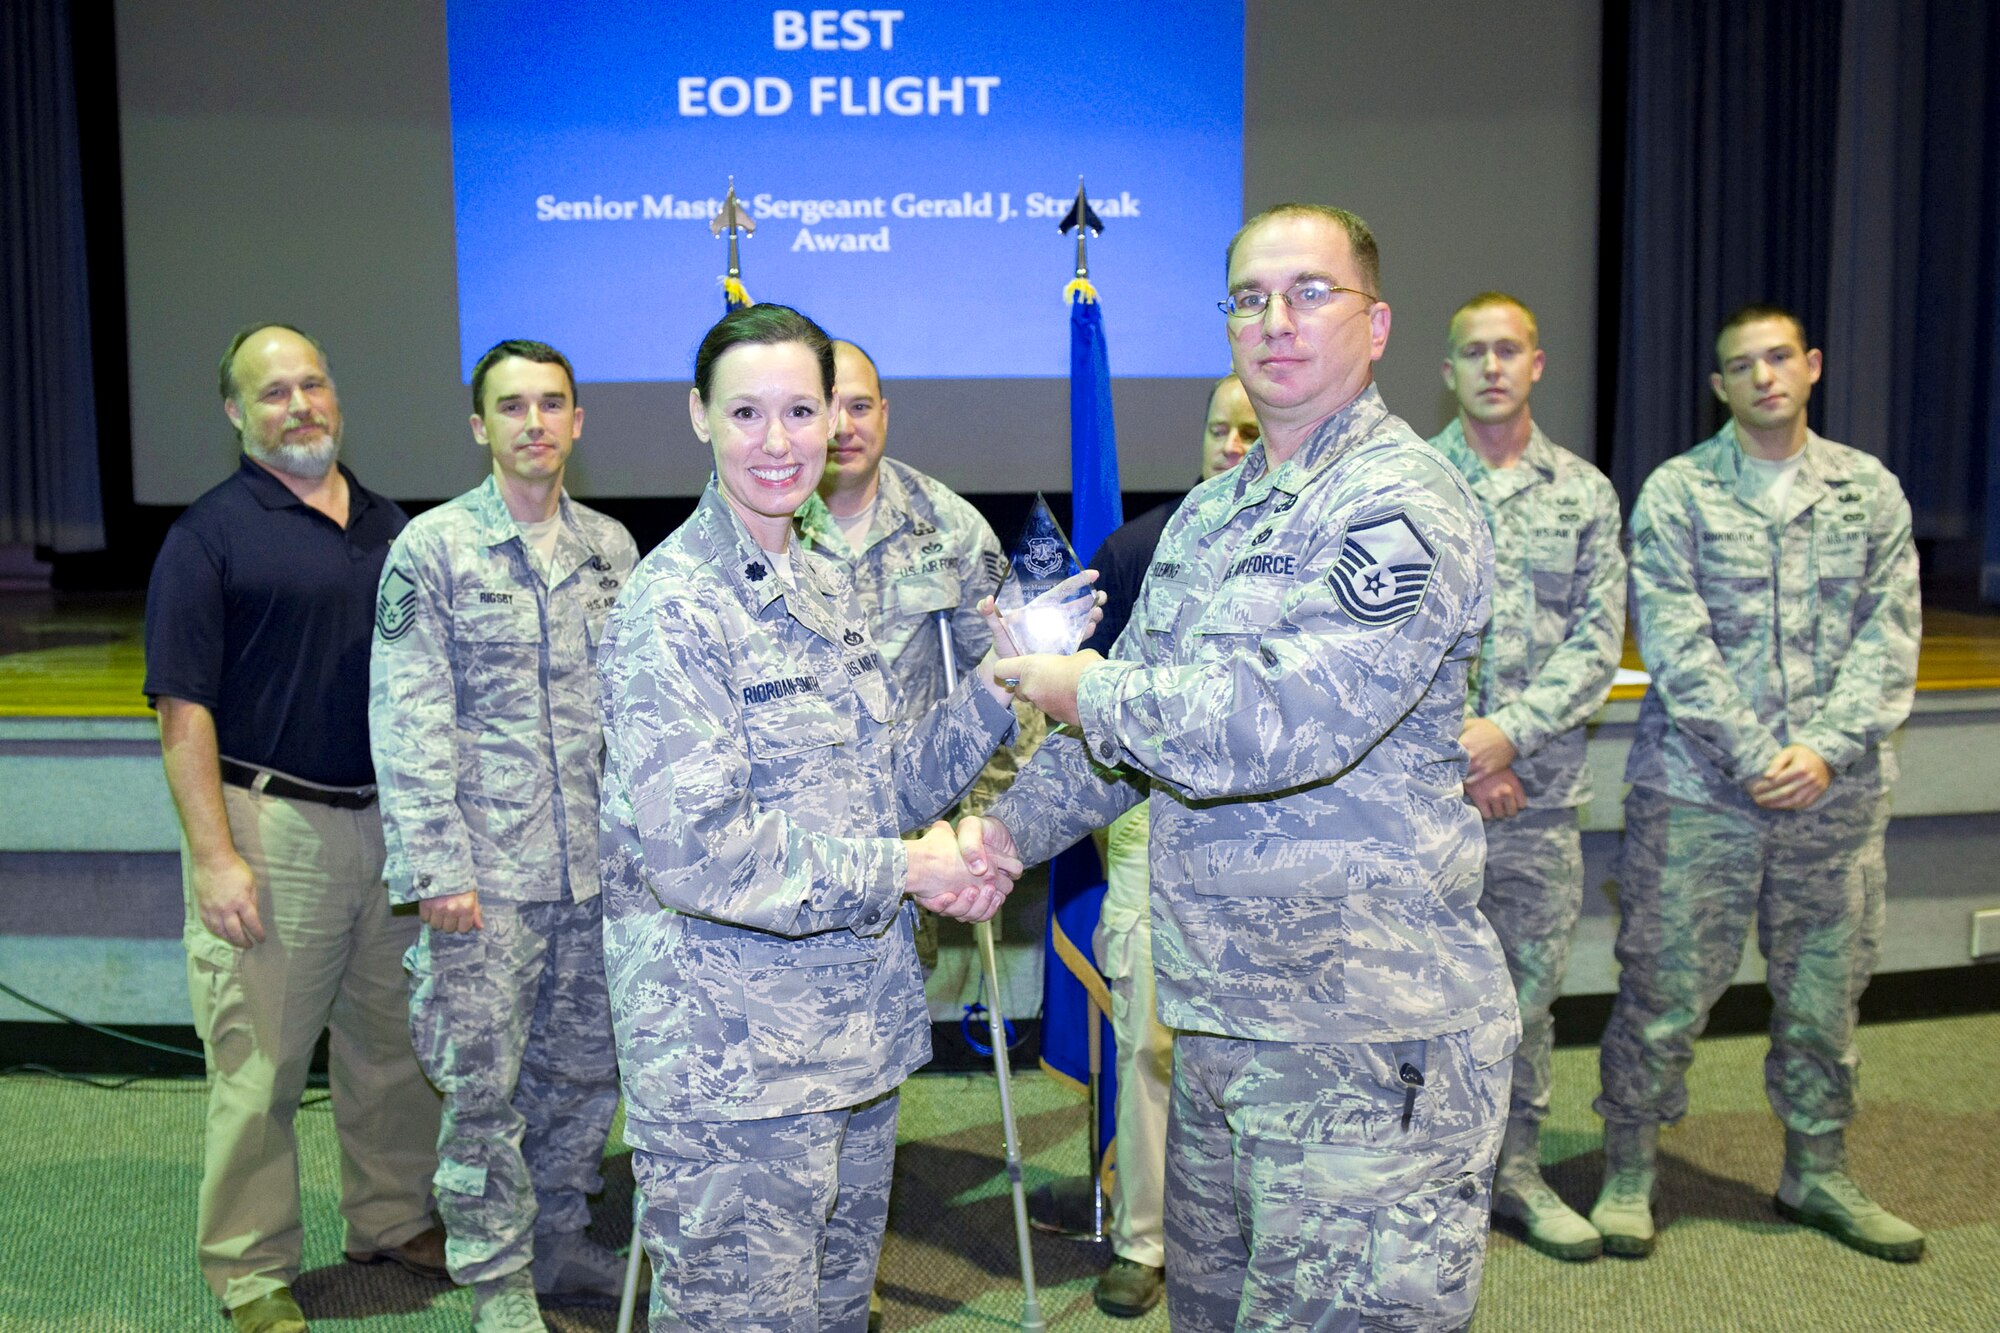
x,y
1308,295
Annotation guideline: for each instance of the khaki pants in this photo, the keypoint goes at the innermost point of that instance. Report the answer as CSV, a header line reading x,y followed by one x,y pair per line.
x,y
332,957
1124,948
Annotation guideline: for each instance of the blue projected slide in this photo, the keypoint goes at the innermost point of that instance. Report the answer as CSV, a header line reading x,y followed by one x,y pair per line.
x,y
906,169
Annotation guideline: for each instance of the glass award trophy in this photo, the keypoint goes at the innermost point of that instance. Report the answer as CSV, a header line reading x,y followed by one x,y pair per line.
x,y
1046,600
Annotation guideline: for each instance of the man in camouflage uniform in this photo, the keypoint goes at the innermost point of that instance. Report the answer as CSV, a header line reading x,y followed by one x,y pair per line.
x,y
483,719
1545,665
1774,585
911,548
1293,683
758,896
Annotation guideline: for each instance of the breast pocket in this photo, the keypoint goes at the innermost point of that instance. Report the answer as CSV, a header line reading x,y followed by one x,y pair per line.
x,y
1247,605
1841,553
491,639
792,743
926,594
1553,551
496,665
794,726
1160,605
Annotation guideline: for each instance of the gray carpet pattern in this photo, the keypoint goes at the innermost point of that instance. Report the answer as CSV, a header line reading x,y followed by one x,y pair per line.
x,y
97,1194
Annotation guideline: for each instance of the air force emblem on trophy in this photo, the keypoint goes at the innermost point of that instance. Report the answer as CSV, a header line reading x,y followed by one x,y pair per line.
x,y
1046,600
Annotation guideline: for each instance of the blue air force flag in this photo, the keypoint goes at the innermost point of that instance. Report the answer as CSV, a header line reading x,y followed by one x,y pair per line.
x,y
1384,567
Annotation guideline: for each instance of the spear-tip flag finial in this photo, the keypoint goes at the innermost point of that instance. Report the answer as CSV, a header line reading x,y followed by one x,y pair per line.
x,y
735,219
1082,217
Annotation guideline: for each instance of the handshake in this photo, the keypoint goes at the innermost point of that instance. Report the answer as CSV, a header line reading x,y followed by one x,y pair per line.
x,y
964,875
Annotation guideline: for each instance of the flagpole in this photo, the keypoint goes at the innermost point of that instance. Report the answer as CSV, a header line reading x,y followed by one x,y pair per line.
x,y
1061,1203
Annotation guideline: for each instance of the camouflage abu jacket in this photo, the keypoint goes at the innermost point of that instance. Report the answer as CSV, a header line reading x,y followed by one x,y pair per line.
x,y
1763,632
926,551
757,940
1293,679
1548,656
482,704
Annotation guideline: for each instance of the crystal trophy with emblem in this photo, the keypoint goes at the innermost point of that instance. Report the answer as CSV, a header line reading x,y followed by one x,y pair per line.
x,y
1046,599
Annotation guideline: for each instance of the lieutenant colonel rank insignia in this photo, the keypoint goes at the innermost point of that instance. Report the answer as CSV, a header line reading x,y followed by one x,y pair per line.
x,y
1384,568
396,606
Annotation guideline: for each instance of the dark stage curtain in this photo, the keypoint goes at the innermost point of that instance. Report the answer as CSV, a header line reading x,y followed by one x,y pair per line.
x,y
49,493
1840,159
1728,199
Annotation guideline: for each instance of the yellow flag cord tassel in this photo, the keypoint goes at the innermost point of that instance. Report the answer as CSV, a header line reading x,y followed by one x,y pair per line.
x,y
734,293
1079,289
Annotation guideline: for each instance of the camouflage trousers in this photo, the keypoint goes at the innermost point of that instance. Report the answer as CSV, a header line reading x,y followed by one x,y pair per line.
x,y
771,1224
1692,879
513,1025
1297,1199
1532,897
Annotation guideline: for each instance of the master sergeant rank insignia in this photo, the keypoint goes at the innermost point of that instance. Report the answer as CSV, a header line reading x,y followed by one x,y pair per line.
x,y
396,606
1384,569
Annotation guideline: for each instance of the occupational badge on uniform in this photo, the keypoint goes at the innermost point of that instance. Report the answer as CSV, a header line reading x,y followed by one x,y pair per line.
x,y
852,638
1384,569
396,606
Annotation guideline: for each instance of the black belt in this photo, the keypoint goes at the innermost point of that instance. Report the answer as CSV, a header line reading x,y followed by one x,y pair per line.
x,y
270,783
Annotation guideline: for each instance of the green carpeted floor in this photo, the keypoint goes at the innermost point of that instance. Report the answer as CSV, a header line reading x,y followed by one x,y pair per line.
x,y
97,1196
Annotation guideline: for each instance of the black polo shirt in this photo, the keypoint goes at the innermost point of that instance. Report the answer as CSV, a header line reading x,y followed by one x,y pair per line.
x,y
1121,569
261,610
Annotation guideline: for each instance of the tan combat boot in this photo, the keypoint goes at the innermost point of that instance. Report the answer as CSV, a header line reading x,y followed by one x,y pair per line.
x,y
1816,1191
1533,1211
1623,1214
507,1304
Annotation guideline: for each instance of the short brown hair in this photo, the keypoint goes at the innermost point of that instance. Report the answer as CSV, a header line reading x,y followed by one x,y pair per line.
x,y
1490,301
1754,312
1367,256
525,349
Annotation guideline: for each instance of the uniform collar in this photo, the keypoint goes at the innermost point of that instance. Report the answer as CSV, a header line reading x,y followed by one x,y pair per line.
x,y
1821,471
754,574
1537,464
816,523
497,526
1255,479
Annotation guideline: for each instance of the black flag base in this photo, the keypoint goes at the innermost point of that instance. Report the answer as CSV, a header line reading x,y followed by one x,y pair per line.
x,y
1073,1208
